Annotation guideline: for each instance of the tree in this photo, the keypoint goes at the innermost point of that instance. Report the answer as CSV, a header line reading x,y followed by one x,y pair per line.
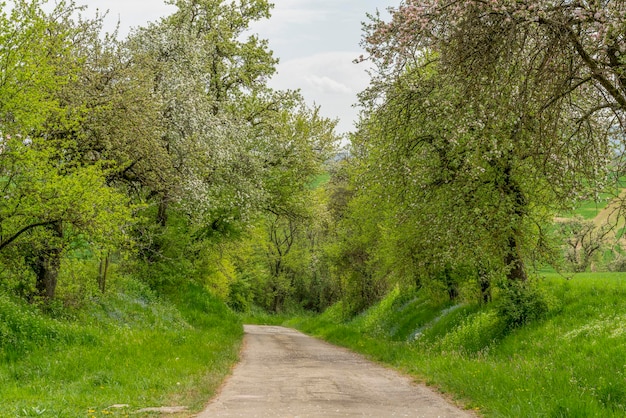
x,y
567,56
583,239
49,198
202,73
47,204
483,126
585,41
117,115
28,73
242,156
177,119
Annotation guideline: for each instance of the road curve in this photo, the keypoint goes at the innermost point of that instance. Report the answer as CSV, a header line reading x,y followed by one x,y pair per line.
x,y
284,373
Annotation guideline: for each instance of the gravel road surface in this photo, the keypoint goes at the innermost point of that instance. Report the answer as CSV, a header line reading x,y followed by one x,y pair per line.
x,y
284,373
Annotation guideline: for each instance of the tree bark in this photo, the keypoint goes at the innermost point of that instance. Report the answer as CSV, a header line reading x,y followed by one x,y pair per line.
x,y
515,264
512,259
47,263
162,212
102,273
485,285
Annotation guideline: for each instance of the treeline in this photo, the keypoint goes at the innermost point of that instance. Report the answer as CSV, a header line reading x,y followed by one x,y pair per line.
x,y
165,155
482,122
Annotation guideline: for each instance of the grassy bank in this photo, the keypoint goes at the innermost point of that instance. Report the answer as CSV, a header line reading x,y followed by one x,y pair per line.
x,y
130,348
571,363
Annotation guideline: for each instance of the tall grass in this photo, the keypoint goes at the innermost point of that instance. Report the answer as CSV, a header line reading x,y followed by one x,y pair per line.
x,y
571,363
132,349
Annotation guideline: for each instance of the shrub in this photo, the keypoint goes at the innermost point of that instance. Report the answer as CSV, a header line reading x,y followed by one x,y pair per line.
x,y
521,303
240,296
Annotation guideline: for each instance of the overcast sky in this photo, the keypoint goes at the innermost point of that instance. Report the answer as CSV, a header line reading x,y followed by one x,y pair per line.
x,y
315,40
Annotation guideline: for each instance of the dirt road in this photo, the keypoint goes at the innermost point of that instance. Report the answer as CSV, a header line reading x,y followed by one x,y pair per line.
x,y
284,373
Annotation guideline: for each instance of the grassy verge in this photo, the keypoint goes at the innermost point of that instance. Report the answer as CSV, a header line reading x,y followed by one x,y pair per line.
x,y
569,364
129,349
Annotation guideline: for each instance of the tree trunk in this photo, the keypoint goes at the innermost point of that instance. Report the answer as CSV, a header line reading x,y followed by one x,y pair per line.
x,y
162,212
451,284
102,273
152,251
47,263
485,285
514,263
513,260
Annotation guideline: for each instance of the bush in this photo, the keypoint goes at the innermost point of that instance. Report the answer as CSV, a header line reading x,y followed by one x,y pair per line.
x,y
336,313
240,296
521,303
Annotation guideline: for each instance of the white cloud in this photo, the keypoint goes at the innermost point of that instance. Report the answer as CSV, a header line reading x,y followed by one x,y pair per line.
x,y
330,80
130,13
282,27
326,84
335,65
316,41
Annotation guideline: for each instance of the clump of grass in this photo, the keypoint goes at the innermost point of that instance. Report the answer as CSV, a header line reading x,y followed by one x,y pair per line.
x,y
566,362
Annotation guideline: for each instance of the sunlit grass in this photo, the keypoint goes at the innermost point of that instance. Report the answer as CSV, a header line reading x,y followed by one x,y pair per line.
x,y
122,351
319,180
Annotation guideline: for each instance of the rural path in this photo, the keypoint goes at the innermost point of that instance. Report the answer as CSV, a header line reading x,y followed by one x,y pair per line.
x,y
284,373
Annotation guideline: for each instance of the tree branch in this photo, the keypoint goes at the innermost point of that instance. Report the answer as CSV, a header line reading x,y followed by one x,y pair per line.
x,y
5,243
596,72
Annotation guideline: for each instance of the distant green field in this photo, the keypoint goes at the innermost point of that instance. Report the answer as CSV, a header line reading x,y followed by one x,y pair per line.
x,y
572,363
590,209
320,180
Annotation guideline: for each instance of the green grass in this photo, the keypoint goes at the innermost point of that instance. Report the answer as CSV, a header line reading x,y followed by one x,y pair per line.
x,y
572,363
135,349
590,209
319,180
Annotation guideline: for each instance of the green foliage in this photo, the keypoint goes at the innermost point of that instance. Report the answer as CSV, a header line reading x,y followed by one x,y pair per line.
x,y
286,249
163,152
46,190
258,315
51,196
233,211
461,159
475,334
33,50
336,313
240,296
520,304
354,257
